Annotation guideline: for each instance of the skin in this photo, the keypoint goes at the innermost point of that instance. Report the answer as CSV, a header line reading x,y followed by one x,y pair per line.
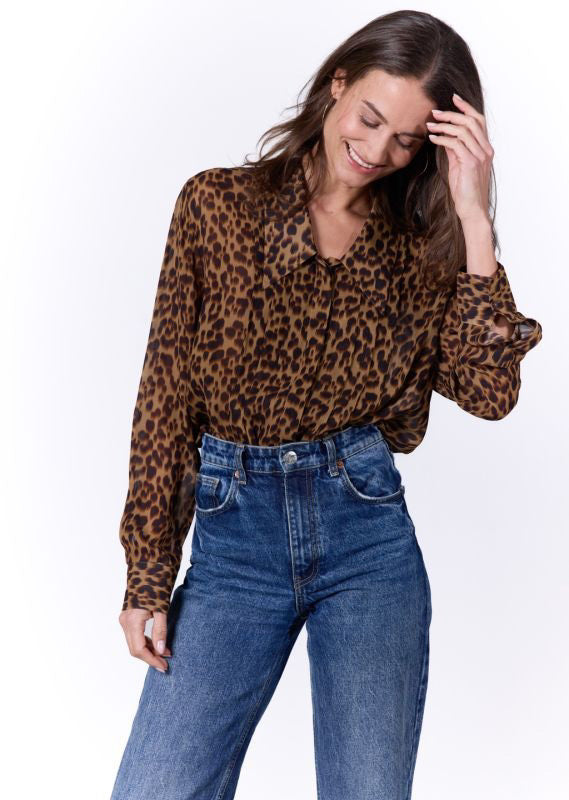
x,y
150,649
405,106
343,204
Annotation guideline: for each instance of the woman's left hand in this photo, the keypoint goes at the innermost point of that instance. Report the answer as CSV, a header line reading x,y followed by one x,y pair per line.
x,y
469,157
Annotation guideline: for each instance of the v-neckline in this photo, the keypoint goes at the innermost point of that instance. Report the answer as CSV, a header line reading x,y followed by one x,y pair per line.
x,y
355,241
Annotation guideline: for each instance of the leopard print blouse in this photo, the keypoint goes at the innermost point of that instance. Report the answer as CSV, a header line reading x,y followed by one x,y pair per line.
x,y
256,338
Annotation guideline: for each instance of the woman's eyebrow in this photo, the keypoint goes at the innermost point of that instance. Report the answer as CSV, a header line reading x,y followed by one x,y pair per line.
x,y
382,118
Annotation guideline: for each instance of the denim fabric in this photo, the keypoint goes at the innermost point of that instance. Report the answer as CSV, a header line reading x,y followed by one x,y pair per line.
x,y
314,532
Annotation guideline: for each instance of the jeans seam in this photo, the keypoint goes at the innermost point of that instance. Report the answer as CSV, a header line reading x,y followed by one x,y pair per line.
x,y
421,691
313,548
225,505
394,497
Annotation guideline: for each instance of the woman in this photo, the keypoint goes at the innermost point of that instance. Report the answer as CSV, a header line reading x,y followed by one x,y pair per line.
x,y
307,307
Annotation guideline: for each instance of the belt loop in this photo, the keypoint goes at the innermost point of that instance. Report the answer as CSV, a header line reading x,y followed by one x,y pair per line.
x,y
239,471
331,449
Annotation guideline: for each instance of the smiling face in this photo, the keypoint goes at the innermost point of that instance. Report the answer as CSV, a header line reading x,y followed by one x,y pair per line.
x,y
373,122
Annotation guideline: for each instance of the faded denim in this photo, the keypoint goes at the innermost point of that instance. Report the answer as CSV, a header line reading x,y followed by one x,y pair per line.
x,y
314,532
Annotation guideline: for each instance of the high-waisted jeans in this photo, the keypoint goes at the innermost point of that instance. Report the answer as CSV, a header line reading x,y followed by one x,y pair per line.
x,y
314,532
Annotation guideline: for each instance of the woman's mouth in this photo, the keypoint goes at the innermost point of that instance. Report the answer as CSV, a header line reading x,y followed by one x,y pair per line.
x,y
357,161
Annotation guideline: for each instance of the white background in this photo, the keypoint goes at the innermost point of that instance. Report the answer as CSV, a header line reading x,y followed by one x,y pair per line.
x,y
108,108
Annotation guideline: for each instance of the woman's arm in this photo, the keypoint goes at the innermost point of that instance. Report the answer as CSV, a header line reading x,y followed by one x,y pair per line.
x,y
164,458
478,361
477,366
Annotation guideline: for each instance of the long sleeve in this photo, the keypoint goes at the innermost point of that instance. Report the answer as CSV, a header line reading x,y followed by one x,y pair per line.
x,y
476,367
164,458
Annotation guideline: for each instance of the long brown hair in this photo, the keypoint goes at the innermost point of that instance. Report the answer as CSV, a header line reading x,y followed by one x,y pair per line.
x,y
415,198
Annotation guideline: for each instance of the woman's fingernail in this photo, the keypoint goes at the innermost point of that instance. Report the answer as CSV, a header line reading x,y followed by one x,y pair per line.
x,y
457,95
160,670
160,646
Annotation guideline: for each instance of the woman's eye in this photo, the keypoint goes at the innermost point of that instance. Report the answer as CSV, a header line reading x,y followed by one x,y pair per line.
x,y
367,122
375,125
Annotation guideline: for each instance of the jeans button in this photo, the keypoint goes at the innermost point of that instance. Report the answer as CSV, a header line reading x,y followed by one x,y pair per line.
x,y
289,457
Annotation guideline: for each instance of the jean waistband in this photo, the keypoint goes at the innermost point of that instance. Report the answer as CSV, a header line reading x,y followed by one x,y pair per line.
x,y
291,455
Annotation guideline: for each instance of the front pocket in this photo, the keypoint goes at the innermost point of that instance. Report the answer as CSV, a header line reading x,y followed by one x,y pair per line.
x,y
370,476
216,487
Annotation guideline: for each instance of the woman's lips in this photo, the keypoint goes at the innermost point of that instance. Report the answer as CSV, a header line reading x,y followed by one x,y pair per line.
x,y
356,165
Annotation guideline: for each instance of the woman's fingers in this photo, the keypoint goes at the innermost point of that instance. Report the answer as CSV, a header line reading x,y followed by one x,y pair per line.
x,y
133,622
469,109
462,133
469,120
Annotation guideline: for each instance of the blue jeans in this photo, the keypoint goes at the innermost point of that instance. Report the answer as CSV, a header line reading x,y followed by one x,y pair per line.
x,y
310,531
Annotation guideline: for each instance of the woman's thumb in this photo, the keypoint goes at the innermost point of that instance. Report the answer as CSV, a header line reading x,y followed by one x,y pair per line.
x,y
159,630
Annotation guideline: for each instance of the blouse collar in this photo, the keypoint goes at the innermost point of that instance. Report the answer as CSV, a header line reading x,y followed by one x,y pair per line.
x,y
288,241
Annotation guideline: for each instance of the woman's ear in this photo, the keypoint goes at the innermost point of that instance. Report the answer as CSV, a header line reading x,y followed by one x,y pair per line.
x,y
339,81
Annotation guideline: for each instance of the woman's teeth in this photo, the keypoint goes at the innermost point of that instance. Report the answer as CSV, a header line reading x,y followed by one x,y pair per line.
x,y
358,160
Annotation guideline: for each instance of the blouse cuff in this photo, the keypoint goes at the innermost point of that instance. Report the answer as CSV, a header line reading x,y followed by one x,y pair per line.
x,y
480,299
149,585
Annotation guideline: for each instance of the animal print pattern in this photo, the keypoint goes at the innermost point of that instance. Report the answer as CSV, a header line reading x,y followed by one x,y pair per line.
x,y
257,338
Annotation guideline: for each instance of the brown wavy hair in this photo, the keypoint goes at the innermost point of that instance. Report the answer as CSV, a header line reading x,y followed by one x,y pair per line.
x,y
415,198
